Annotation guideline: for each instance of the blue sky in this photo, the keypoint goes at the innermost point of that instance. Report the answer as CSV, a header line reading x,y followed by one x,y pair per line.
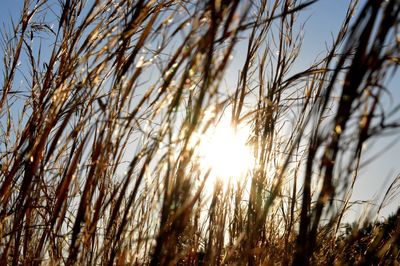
x,y
323,23
323,20
9,9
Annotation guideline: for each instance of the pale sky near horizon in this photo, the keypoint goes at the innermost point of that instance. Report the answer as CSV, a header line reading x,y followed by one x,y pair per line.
x,y
323,20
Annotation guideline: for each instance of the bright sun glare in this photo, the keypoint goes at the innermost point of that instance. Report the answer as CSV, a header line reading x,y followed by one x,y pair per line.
x,y
224,151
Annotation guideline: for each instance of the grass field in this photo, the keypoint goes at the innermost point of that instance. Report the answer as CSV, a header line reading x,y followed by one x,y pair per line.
x,y
125,139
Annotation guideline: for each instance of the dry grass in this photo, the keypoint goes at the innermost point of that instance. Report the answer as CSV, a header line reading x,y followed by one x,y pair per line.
x,y
98,164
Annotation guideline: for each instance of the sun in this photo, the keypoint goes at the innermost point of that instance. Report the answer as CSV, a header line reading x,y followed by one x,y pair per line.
x,y
224,151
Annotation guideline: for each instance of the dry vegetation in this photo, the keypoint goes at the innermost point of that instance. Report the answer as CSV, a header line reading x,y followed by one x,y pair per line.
x,y
97,145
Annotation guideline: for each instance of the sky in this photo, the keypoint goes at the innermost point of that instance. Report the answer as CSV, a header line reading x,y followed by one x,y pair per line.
x,y
323,20
10,8
374,178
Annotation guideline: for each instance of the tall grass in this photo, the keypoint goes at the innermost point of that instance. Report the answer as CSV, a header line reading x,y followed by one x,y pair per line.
x,y
99,142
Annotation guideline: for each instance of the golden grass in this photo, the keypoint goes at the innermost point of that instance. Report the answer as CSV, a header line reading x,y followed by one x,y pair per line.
x,y
98,151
